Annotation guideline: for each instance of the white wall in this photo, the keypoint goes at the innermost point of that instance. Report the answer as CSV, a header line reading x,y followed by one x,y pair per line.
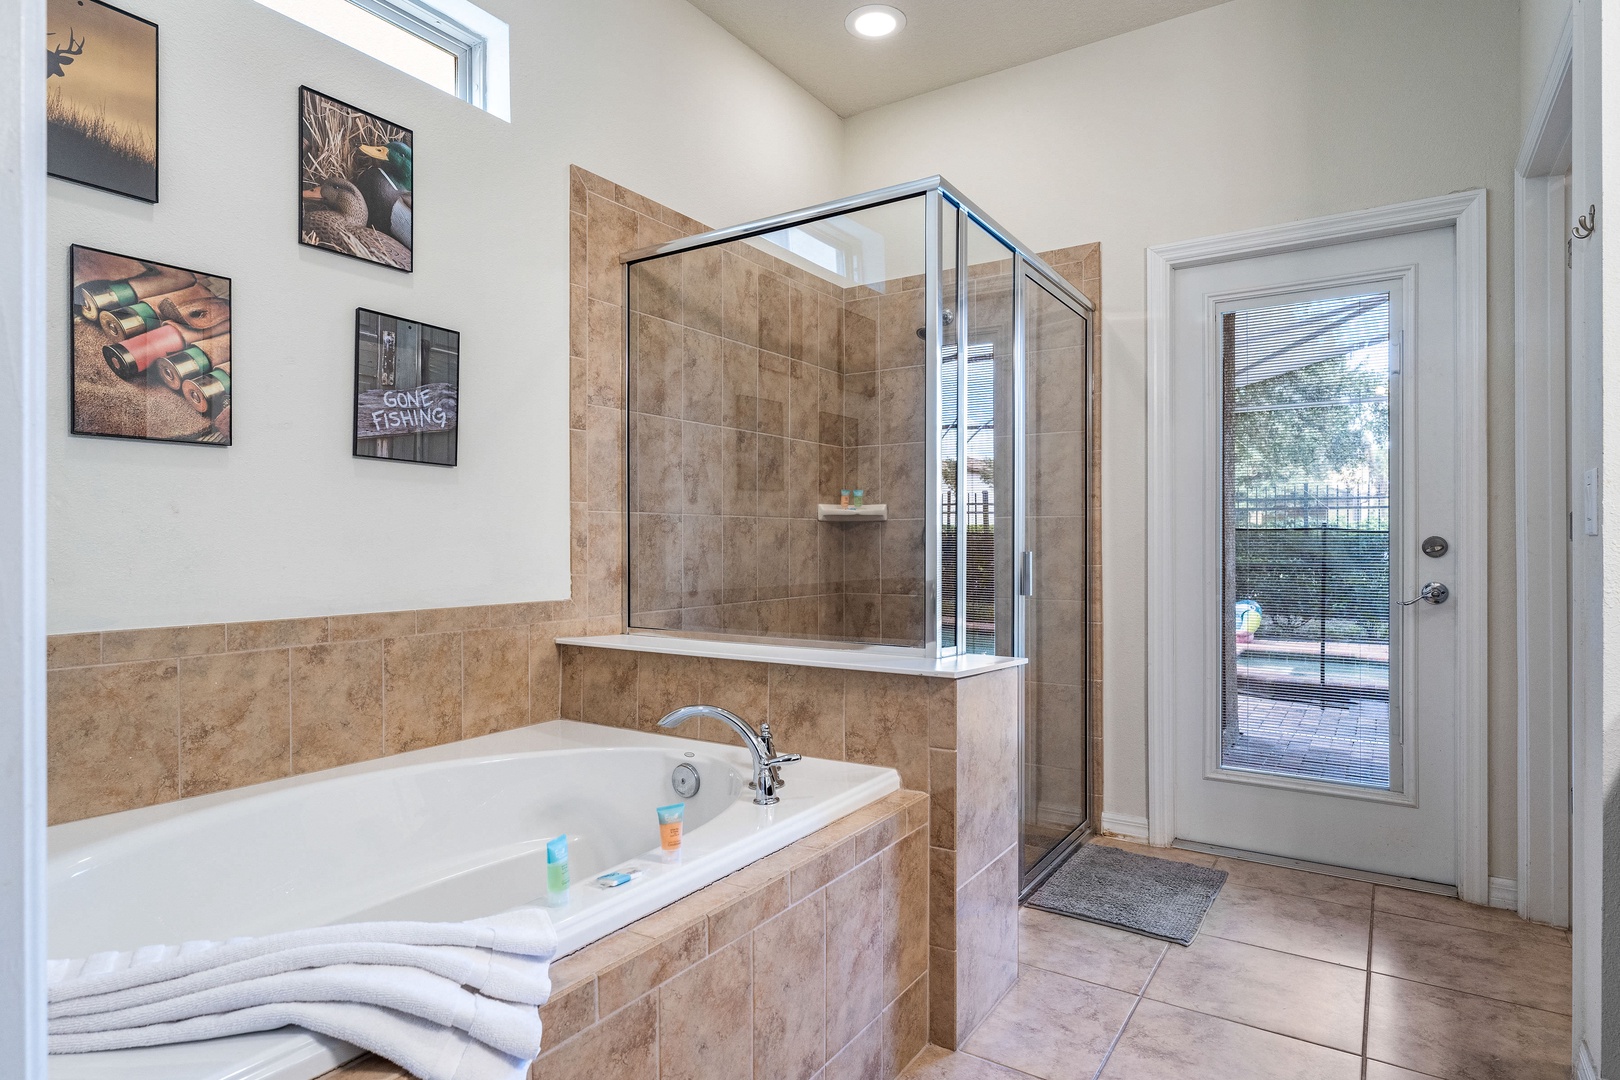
x,y
286,523
1253,113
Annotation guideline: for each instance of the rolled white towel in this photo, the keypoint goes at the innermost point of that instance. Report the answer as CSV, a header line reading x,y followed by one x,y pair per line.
x,y
522,932
508,976
423,1048
509,1028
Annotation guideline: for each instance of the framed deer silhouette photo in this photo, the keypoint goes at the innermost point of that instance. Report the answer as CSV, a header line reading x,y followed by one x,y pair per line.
x,y
101,97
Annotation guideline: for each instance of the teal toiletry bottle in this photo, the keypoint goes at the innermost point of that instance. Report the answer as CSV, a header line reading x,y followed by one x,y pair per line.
x,y
557,880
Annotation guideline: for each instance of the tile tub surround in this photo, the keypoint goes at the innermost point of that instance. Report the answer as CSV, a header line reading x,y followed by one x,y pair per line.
x,y
814,957
363,686
955,739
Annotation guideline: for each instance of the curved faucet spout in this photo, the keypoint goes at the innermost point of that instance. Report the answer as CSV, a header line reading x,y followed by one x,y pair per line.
x,y
767,763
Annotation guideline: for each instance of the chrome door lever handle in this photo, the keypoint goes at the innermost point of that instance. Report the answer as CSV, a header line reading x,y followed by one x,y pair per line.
x,y
1433,592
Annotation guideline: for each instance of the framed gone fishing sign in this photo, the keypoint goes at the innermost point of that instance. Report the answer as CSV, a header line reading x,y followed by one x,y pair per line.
x,y
151,349
407,379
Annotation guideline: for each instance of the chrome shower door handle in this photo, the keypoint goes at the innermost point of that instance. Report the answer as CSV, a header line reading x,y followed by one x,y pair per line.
x,y
1432,592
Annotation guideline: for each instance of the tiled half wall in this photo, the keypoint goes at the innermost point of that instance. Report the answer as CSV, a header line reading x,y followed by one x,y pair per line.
x,y
956,740
811,962
144,716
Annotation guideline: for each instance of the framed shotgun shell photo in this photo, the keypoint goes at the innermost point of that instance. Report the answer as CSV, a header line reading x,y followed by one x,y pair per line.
x,y
151,349
407,383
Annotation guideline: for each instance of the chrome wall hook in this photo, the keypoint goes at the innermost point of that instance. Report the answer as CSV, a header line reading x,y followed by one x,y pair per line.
x,y
1587,225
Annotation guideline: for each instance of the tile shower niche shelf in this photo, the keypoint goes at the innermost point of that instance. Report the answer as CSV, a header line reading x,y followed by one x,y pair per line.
x,y
869,512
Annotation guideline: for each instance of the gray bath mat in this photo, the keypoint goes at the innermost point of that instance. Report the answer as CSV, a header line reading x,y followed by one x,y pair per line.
x,y
1157,897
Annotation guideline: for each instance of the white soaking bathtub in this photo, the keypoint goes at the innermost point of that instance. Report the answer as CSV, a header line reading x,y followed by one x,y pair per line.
x,y
454,832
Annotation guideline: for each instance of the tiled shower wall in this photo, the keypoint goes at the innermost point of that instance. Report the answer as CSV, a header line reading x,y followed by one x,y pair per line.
x,y
757,390
736,428
138,717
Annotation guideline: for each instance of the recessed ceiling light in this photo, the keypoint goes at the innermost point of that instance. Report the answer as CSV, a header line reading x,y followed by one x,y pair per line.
x,y
875,21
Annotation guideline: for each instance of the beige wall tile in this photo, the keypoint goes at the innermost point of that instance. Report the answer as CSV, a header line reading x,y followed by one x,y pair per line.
x,y
655,962
942,997
608,687
373,626
759,903
623,1046
886,723
569,1011
942,767
113,738
337,704
790,992
235,724
610,231
807,710
421,691
905,885
664,684
496,680
905,1027
942,898
161,643
452,619
986,941
862,1059
987,768
275,634
705,1029
856,953
72,650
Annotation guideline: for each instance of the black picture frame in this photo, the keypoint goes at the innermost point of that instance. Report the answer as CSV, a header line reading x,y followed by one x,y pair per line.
x,y
56,155
96,376
320,157
421,409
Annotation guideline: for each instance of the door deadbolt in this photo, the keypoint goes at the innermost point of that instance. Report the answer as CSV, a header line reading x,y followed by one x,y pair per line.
x,y
1435,546
1433,592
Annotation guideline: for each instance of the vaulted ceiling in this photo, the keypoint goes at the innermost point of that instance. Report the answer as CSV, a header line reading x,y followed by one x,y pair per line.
x,y
944,41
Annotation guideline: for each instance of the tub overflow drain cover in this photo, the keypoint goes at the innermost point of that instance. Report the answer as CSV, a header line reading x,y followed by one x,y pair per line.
x,y
686,780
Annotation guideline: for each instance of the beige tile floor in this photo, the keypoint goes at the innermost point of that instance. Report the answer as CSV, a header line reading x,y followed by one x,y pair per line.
x,y
1295,976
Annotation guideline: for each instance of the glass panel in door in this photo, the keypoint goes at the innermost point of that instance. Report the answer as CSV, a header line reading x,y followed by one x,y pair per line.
x,y
1306,524
1056,742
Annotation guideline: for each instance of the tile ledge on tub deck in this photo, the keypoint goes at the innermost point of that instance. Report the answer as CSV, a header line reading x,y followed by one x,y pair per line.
x,y
875,658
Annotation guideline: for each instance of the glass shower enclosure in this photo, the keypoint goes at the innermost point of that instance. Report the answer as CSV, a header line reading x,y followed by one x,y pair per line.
x,y
867,425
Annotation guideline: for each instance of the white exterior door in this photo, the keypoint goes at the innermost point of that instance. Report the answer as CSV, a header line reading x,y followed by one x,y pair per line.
x,y
1313,473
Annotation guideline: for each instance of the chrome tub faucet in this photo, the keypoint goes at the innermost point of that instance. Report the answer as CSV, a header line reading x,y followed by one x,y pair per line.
x,y
767,762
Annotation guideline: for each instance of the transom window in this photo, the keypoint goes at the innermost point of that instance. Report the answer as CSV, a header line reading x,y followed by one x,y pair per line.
x,y
450,44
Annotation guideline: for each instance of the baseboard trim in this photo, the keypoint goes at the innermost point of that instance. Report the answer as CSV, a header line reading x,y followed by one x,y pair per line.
x,y
1504,893
1128,826
1584,1069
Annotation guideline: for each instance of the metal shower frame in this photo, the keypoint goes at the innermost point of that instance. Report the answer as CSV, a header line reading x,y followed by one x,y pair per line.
x,y
938,195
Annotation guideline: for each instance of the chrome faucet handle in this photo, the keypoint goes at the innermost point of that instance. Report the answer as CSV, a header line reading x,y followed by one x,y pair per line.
x,y
772,762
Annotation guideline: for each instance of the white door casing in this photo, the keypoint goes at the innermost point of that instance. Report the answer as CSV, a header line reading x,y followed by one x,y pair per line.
x,y
1461,217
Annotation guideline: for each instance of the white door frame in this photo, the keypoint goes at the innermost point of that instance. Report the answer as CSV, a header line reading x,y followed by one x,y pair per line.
x,y
22,540
1464,211
1543,496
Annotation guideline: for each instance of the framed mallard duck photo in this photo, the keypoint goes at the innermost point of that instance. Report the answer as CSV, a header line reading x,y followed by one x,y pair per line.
x,y
355,182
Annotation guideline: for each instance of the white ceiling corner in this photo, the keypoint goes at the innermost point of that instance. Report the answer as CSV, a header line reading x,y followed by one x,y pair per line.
x,y
944,41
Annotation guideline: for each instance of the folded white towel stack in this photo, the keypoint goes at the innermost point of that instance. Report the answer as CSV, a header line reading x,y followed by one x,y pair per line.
x,y
446,1001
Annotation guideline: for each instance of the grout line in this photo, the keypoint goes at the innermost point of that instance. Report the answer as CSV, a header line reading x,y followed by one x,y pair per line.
x,y
1366,995
1470,994
1120,1034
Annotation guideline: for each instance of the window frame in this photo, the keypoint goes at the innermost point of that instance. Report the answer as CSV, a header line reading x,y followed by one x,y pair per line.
x,y
424,20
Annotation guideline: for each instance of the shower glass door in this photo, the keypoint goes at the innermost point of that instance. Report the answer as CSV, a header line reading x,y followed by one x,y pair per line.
x,y
1057,619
